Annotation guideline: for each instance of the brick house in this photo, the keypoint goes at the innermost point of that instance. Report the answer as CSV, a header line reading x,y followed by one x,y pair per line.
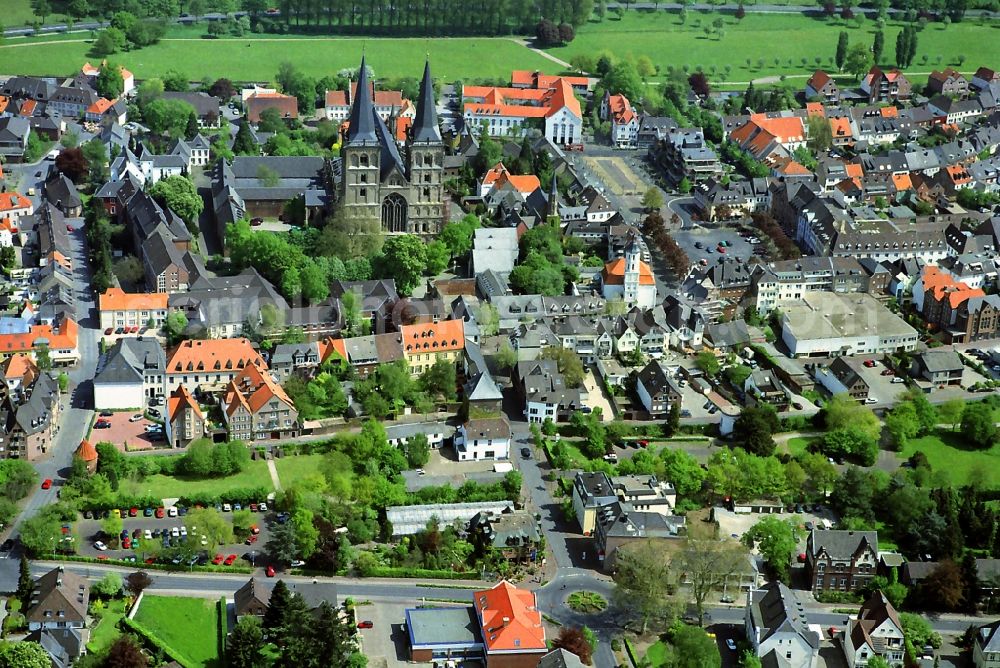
x,y
841,560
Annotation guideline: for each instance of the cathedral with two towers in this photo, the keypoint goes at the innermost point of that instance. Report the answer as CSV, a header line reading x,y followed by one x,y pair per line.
x,y
405,191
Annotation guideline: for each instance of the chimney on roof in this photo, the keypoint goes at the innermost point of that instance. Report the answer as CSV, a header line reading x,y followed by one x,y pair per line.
x,y
506,621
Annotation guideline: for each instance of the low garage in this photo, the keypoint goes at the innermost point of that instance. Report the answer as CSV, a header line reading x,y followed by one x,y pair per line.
x,y
443,633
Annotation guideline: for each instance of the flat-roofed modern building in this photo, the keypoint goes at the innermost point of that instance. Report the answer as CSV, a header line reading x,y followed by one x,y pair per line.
x,y
831,324
443,633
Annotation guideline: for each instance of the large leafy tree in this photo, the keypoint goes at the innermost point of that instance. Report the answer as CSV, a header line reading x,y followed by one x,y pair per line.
x,y
572,640
23,655
776,540
755,427
708,564
125,653
180,195
694,648
978,426
644,582
244,648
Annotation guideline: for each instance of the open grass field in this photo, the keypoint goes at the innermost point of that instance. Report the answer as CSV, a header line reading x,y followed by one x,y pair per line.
x,y
257,59
162,486
948,454
188,625
798,445
106,630
295,468
17,13
785,37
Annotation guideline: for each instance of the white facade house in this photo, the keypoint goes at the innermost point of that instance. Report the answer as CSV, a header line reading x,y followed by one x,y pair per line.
x,y
877,631
485,438
776,625
629,278
130,373
435,432
507,112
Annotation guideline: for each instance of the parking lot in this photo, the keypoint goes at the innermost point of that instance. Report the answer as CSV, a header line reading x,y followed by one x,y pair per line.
x,y
385,644
880,387
734,525
738,247
125,434
443,469
89,531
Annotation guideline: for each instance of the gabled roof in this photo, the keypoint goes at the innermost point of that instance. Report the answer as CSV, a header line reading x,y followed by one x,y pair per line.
x,y
59,596
213,355
509,619
774,609
116,299
840,544
181,399
818,80
614,273
253,388
442,336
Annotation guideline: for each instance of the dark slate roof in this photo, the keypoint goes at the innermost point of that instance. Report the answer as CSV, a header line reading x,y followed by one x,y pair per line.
x,y
129,359
425,126
362,120
312,593
774,609
560,658
61,192
842,544
204,104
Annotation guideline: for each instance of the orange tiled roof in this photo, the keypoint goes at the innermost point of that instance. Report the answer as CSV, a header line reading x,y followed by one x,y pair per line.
x,y
902,182
523,183
621,109
494,173
614,273
4,101
841,127
539,80
182,398
87,452
854,170
252,388
433,337
329,346
958,174
784,128
403,124
213,355
790,167
116,299
940,284
20,366
815,109
28,107
510,619
12,201
521,102
63,338
889,112
100,105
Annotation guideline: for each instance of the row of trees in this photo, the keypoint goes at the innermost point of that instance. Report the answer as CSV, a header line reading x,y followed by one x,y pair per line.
x,y
675,256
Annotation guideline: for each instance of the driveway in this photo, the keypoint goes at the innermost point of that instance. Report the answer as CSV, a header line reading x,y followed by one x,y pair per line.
x,y
596,398
443,469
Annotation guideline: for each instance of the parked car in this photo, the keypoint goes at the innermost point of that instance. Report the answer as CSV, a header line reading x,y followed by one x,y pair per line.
x,y
217,559
262,507
47,483
869,363
731,644
366,624
526,453
270,571
230,560
160,513
135,418
100,546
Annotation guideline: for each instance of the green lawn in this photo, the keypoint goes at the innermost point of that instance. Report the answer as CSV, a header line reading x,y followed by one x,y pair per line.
x,y
188,625
789,38
798,446
948,454
17,13
162,486
657,654
297,467
258,59
106,630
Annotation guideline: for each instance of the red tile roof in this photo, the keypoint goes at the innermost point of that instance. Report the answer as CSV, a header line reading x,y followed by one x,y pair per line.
x,y
179,399
614,273
818,80
510,619
62,337
433,337
86,451
12,201
940,285
213,355
116,299
286,105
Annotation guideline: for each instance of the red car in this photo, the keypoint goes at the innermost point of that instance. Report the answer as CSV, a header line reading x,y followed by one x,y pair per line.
x,y
102,557
254,529
47,483
270,571
126,543
159,513
251,539
230,560
721,250
642,444
366,624
869,363
218,559
253,507
132,512
888,372
150,560
109,331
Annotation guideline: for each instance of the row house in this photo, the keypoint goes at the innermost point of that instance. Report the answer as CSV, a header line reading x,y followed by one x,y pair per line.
x,y
209,365
947,82
716,200
777,282
122,309
876,632
544,392
185,421
684,153
363,353
653,130
30,426
257,408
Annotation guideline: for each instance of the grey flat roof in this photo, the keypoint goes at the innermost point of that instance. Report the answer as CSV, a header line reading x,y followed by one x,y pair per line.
x,y
443,626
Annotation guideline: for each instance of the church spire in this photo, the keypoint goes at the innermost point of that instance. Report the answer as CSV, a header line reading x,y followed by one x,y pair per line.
x,y
425,126
362,121
553,203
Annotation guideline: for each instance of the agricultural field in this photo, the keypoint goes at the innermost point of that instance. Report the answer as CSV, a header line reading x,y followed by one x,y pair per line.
x,y
187,625
257,59
774,44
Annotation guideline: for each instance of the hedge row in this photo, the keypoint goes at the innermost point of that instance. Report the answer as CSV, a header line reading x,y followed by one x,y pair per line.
x,y
242,496
405,572
223,618
204,568
151,638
